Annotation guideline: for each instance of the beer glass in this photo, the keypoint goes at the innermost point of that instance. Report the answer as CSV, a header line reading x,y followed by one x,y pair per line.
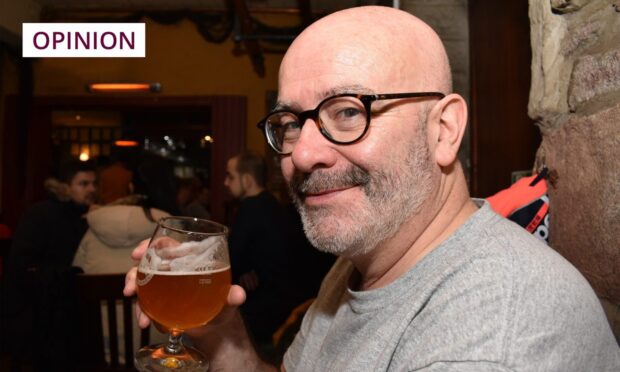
x,y
183,282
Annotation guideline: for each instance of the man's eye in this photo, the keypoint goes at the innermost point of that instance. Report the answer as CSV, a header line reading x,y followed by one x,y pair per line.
x,y
292,124
291,133
348,112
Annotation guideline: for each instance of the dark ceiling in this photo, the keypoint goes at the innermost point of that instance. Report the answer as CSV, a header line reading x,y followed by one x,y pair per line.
x,y
215,20
201,5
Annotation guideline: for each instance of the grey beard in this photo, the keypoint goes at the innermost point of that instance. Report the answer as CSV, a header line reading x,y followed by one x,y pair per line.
x,y
392,197
314,218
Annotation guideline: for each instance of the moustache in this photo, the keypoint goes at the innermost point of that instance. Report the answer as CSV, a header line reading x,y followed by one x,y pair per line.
x,y
320,180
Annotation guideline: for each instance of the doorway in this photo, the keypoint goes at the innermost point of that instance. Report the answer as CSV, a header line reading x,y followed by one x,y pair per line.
x,y
202,133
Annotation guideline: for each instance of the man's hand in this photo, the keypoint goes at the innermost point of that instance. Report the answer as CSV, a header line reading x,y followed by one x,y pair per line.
x,y
130,282
224,340
236,295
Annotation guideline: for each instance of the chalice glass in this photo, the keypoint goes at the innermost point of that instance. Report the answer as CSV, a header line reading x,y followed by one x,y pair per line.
x,y
183,282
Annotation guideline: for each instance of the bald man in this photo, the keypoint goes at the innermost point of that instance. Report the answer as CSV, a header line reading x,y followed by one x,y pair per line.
x,y
428,279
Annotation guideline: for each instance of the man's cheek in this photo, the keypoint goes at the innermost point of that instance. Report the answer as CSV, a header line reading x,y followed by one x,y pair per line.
x,y
287,170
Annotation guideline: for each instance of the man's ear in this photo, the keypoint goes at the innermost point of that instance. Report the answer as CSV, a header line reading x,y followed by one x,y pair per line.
x,y
247,181
449,117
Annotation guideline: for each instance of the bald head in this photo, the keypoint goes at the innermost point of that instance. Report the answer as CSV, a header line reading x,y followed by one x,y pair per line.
x,y
357,193
386,48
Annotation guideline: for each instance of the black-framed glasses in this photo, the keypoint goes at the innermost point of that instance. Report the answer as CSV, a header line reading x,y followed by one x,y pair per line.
x,y
342,119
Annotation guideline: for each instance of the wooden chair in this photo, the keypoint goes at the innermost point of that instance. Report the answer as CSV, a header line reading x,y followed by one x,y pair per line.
x,y
93,290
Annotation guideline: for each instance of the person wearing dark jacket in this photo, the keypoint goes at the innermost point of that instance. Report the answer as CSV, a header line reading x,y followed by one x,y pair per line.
x,y
266,252
39,272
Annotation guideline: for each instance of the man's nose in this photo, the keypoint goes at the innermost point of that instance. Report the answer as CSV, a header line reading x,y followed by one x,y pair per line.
x,y
312,150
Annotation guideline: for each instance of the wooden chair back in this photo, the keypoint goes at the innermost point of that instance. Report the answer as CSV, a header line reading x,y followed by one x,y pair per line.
x,y
93,290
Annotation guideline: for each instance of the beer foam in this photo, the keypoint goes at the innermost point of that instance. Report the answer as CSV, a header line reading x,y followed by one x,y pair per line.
x,y
205,256
181,273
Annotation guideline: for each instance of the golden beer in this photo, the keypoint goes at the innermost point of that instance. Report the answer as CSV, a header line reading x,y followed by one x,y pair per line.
x,y
180,301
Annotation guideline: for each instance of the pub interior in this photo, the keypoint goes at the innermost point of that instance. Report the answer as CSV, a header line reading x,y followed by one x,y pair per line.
x,y
211,72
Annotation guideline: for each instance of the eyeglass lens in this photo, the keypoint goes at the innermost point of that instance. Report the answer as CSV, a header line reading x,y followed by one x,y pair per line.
x,y
343,119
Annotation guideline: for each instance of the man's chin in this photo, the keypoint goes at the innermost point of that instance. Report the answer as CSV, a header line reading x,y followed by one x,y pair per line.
x,y
337,247
324,235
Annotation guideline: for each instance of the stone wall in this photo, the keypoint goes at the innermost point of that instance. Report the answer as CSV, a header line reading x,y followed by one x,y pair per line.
x,y
575,99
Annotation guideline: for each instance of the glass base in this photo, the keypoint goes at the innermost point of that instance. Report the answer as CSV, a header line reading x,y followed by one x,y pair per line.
x,y
155,358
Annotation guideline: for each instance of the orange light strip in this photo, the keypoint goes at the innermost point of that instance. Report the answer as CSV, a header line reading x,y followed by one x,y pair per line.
x,y
124,143
123,87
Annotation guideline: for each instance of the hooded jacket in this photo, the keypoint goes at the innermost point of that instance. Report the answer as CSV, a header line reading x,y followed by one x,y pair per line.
x,y
114,231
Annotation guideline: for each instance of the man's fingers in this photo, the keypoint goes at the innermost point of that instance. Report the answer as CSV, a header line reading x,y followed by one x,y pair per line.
x,y
236,296
143,320
138,252
130,282
130,290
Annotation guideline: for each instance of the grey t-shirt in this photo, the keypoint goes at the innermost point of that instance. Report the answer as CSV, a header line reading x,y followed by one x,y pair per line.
x,y
490,298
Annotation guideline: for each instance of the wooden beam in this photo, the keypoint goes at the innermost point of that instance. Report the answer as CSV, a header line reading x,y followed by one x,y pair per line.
x,y
251,45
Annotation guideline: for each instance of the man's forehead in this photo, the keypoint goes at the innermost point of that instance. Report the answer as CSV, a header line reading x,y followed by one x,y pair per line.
x,y
341,66
232,164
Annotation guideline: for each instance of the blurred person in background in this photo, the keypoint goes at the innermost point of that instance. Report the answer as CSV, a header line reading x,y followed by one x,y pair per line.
x,y
189,191
204,198
114,230
201,204
118,226
39,271
115,180
263,250
155,177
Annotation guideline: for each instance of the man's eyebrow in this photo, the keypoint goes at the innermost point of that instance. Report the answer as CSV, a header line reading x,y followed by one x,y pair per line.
x,y
356,88
282,106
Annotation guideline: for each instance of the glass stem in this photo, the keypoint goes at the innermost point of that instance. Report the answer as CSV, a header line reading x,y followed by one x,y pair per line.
x,y
174,345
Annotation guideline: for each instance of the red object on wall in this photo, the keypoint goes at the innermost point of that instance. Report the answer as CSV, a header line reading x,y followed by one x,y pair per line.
x,y
5,231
